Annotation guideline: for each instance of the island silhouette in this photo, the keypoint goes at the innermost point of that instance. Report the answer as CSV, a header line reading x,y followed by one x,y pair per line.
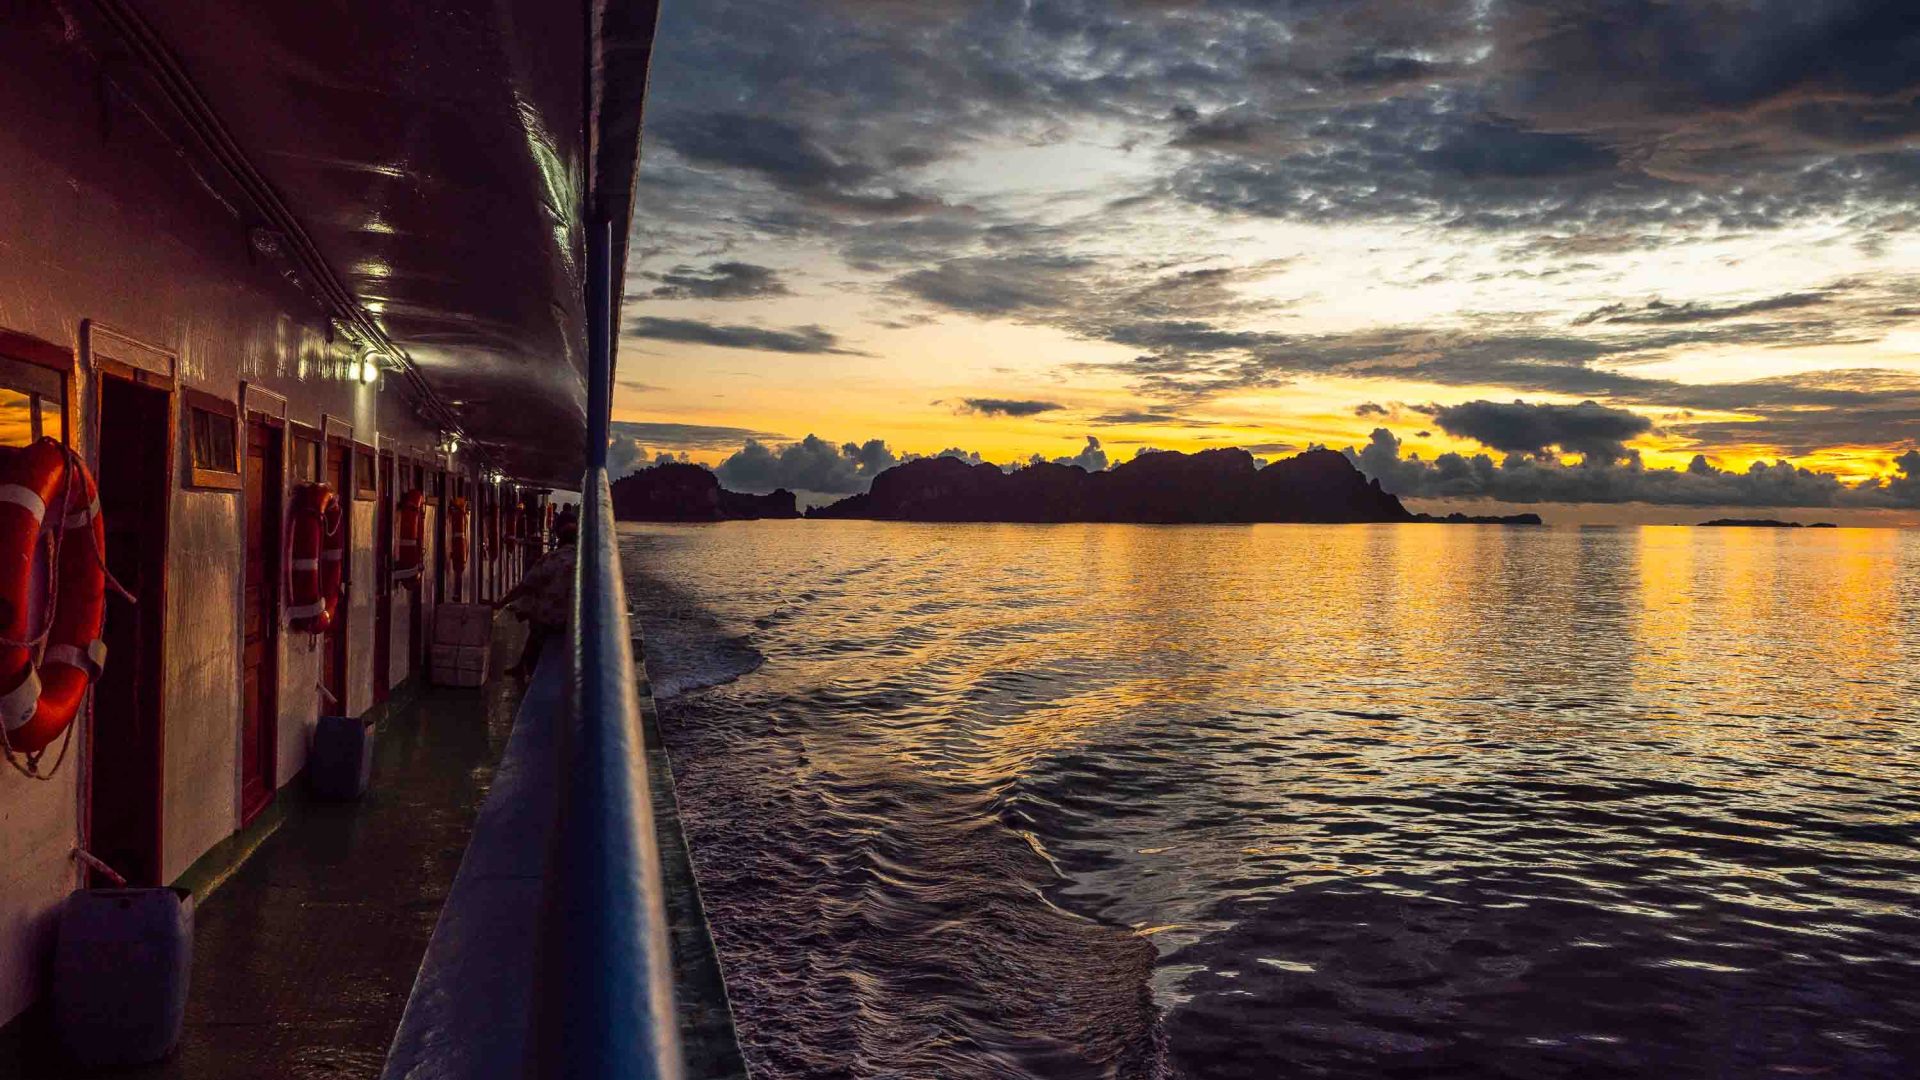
x,y
1218,486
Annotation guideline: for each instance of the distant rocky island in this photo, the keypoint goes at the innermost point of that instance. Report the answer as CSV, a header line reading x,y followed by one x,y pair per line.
x,y
1224,485
1764,523
1458,518
1167,487
678,491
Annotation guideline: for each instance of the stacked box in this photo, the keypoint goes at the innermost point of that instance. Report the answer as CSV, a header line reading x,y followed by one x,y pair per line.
x,y
459,665
462,624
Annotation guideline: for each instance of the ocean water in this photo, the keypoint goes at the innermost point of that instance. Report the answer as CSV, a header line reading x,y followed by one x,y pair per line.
x,y
1299,801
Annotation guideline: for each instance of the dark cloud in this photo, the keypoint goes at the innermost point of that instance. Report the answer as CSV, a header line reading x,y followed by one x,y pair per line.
x,y
628,443
623,456
812,464
1605,114
1591,113
1152,417
1007,406
799,339
997,286
815,465
720,281
1366,409
685,436
790,157
1658,311
1520,427
1091,457
1520,478
1187,363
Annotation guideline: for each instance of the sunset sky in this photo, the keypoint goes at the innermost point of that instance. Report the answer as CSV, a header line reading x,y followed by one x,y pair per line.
x,y
1408,229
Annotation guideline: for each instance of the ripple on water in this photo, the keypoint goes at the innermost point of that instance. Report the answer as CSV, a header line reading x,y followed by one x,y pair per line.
x,y
1347,801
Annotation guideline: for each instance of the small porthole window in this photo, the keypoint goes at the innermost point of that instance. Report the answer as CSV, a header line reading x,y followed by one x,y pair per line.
x,y
365,484
213,454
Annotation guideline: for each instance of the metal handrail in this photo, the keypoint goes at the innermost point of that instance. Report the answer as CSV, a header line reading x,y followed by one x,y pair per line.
x,y
603,1001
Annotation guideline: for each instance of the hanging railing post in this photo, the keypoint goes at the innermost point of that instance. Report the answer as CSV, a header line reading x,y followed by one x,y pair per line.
x,y
603,1003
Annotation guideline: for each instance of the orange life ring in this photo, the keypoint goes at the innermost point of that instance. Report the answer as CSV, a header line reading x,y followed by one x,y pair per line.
x,y
316,550
412,529
49,685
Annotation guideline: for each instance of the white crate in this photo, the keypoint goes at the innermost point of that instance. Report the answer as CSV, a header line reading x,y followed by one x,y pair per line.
x,y
462,624
459,665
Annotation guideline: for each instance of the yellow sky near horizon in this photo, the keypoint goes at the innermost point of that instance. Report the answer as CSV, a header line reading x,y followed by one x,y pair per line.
x,y
903,363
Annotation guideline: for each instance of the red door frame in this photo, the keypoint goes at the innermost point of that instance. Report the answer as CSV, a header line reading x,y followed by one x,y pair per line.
x,y
383,577
152,607
267,735
339,473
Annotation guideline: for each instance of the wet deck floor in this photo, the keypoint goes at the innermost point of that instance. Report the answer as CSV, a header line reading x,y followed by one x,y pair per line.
x,y
304,957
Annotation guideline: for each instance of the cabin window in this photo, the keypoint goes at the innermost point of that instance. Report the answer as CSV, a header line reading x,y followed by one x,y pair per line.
x,y
33,403
365,485
305,463
26,416
213,442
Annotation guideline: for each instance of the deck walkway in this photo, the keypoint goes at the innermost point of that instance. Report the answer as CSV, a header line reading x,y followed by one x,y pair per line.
x,y
304,956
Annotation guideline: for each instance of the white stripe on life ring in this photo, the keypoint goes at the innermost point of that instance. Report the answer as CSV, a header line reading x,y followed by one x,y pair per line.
x,y
27,497
19,704
306,611
84,518
331,556
92,659
409,543
306,564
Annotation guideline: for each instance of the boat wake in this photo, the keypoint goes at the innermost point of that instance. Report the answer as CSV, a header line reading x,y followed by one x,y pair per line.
x,y
687,647
874,917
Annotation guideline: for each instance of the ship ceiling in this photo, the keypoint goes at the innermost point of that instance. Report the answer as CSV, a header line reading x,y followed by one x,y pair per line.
x,y
435,157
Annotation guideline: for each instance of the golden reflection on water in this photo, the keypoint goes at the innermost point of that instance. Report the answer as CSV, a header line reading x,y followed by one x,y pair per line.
x,y
1651,741
1669,641
1581,631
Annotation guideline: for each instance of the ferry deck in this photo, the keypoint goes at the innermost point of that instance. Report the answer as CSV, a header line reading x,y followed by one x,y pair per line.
x,y
251,249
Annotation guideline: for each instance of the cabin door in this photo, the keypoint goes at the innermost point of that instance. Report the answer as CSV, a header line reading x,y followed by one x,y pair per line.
x,y
488,568
135,480
383,582
260,654
438,485
333,662
416,625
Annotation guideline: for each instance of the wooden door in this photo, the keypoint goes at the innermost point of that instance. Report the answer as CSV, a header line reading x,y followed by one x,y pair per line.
x,y
333,663
127,743
260,652
383,581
